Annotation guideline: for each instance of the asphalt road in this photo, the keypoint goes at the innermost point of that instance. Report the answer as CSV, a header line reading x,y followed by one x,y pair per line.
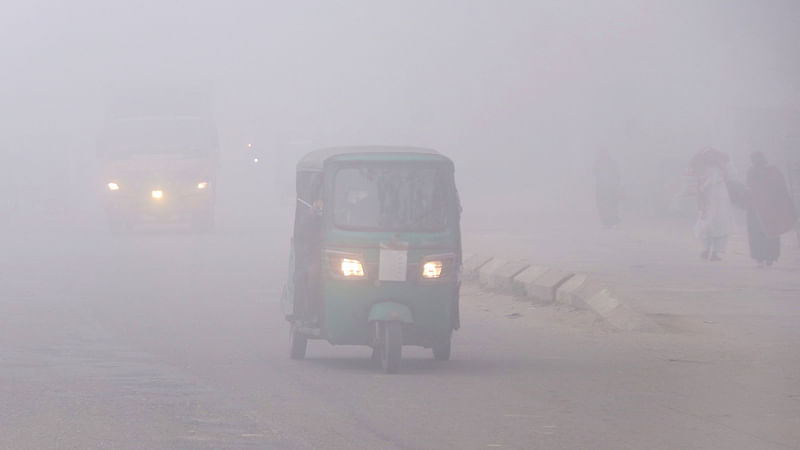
x,y
171,340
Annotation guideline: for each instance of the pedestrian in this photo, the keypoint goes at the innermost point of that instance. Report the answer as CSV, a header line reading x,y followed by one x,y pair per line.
x,y
608,189
770,211
715,214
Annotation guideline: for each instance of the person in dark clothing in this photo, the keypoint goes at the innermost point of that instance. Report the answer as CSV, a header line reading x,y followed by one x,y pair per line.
x,y
770,210
308,251
608,189
763,248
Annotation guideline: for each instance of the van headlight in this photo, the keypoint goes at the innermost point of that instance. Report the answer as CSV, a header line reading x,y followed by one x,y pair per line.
x,y
202,185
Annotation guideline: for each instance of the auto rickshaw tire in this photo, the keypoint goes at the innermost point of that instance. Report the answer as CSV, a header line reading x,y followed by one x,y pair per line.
x,y
298,344
441,351
392,350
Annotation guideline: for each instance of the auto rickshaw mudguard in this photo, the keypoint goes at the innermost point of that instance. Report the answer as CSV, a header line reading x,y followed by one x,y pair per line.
x,y
390,311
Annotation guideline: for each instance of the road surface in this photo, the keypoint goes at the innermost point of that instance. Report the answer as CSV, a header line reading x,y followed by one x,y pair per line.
x,y
167,340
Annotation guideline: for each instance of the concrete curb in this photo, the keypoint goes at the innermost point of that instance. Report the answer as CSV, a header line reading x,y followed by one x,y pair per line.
x,y
577,289
524,280
502,278
472,264
488,269
544,288
619,315
545,284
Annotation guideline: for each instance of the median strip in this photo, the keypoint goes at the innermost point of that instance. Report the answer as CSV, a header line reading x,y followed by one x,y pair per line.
x,y
551,285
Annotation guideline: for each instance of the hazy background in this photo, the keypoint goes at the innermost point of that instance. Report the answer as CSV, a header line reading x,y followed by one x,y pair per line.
x,y
164,339
520,94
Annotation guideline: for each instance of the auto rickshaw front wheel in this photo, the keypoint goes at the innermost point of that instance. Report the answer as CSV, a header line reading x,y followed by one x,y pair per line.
x,y
298,344
390,348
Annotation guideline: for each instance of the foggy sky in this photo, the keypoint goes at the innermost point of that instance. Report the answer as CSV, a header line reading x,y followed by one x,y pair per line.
x,y
520,93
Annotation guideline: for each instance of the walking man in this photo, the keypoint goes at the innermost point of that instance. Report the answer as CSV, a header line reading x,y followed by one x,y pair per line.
x,y
770,210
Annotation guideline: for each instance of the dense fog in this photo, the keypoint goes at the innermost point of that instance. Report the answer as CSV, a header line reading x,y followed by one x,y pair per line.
x,y
153,230
521,94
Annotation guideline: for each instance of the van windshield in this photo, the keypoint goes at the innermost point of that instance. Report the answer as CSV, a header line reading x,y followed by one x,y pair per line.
x,y
395,197
177,137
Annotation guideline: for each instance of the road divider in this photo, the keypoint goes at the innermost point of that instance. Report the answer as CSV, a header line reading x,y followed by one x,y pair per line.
x,y
488,270
577,289
523,282
551,285
472,264
545,286
502,278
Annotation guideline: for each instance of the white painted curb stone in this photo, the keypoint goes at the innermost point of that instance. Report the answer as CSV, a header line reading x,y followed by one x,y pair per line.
x,y
488,269
544,288
472,265
501,279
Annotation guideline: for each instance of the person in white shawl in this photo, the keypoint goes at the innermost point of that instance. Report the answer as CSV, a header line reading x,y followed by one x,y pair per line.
x,y
715,212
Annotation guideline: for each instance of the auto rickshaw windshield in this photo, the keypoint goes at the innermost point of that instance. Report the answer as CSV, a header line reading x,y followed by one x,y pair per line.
x,y
392,197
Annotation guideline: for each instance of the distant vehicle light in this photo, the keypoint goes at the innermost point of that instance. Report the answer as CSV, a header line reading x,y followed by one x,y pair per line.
x,y
255,160
202,185
432,269
113,186
249,145
157,194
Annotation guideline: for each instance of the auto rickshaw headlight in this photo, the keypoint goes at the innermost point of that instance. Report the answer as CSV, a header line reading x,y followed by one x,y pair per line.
x,y
112,186
158,194
432,269
352,268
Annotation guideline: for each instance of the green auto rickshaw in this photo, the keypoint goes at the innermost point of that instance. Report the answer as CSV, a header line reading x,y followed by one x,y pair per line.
x,y
376,253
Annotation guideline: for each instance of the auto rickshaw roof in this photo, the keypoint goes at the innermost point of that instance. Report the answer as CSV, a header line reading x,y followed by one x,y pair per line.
x,y
316,160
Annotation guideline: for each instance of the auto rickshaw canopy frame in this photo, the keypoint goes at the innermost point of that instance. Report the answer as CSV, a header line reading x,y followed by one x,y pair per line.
x,y
317,160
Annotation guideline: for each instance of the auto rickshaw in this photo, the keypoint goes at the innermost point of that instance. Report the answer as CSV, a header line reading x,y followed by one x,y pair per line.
x,y
376,252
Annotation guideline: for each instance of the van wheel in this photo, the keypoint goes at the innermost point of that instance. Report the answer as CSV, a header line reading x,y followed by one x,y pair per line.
x,y
441,351
392,350
298,344
204,223
117,225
